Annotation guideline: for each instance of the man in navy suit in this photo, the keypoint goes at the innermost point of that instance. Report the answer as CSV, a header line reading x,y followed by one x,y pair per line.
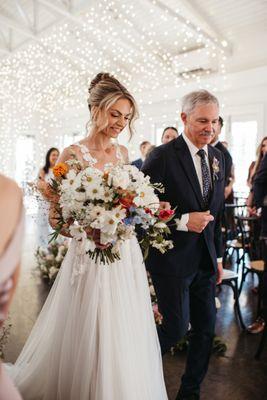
x,y
144,147
185,277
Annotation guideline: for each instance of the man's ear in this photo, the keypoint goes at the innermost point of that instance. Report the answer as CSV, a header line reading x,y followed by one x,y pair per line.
x,y
183,117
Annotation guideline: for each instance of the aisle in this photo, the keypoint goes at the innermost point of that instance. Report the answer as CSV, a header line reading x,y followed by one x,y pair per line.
x,y
237,376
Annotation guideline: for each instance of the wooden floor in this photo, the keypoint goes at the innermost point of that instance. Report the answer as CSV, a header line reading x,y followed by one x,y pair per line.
x,y
236,376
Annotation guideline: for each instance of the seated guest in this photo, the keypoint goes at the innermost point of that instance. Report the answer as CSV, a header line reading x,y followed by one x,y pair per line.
x,y
169,134
11,233
228,164
144,147
260,201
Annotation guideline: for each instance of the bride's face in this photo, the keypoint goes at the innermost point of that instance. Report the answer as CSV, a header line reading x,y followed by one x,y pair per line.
x,y
118,117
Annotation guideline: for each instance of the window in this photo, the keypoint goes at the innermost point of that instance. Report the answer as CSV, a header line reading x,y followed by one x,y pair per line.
x,y
25,162
243,148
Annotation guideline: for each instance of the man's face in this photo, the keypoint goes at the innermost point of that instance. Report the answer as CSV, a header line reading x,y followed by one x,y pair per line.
x,y
200,124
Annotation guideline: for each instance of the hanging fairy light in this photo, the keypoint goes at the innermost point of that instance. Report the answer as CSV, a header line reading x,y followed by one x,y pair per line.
x,y
47,78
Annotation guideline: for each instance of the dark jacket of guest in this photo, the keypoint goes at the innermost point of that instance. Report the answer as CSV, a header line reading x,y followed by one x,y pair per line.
x,y
260,192
228,162
138,163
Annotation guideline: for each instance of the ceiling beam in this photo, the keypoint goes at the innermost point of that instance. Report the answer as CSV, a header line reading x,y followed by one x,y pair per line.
x,y
216,39
4,50
17,27
23,13
61,11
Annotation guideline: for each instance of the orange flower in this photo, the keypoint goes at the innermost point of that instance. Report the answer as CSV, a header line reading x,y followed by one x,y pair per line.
x,y
60,169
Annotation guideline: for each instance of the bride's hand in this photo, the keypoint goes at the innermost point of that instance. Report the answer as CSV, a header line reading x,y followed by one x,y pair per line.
x,y
95,235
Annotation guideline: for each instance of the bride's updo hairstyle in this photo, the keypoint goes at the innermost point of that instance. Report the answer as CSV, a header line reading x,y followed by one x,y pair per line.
x,y
104,92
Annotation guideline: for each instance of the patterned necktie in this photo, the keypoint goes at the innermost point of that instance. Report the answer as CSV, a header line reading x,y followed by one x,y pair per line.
x,y
205,177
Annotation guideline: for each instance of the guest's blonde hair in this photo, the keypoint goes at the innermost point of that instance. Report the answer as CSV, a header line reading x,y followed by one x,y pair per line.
x,y
104,92
260,155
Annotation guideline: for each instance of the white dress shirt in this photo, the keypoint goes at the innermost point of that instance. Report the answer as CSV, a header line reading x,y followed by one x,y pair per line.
x,y
197,163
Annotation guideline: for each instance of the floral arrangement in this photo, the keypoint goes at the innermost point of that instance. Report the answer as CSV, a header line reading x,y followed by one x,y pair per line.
x,y
102,209
49,260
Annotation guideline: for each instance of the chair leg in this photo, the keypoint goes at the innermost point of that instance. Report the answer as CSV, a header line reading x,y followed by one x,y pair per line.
x,y
234,285
260,288
237,305
262,343
243,276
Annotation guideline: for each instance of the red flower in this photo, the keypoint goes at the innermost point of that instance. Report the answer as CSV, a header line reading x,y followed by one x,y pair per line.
x,y
126,202
164,215
148,211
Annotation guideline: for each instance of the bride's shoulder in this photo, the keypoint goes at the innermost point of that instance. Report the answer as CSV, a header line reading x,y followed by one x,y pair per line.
x,y
69,152
9,190
10,208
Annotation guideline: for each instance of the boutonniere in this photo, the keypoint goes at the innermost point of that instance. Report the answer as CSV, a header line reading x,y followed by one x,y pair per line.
x,y
215,168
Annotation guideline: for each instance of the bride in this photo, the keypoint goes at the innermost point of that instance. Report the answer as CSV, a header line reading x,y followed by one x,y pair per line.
x,y
95,338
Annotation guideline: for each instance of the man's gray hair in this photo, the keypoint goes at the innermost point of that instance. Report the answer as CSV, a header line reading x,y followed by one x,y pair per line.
x,y
193,99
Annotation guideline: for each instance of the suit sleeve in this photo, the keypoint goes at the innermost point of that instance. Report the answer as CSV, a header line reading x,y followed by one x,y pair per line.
x,y
260,184
227,167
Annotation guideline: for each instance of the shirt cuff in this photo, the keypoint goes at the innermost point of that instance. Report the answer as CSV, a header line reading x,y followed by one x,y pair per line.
x,y
182,223
219,260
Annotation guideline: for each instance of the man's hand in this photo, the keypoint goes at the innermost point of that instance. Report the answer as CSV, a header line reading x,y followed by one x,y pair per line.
x,y
252,211
219,273
227,191
198,221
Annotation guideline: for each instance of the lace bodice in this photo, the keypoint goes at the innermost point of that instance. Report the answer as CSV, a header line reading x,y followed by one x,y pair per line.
x,y
92,161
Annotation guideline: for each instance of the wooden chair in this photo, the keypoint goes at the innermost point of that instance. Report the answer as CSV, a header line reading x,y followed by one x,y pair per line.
x,y
230,278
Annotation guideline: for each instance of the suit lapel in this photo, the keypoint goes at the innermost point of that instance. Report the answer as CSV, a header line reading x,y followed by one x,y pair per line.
x,y
187,164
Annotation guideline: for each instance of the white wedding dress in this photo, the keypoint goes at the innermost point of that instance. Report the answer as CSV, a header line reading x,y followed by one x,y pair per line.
x,y
95,338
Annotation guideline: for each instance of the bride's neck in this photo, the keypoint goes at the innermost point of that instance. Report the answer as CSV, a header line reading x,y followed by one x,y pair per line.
x,y
98,141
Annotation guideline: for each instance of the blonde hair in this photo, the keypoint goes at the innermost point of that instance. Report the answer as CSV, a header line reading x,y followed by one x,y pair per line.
x,y
104,92
259,155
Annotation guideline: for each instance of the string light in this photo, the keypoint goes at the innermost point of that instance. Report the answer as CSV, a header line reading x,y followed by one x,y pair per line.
x,y
46,80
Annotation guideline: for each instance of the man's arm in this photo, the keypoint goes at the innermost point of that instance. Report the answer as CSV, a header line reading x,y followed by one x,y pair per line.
x,y
260,183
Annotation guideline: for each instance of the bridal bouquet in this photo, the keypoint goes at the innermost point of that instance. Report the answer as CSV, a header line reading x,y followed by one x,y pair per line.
x,y
105,207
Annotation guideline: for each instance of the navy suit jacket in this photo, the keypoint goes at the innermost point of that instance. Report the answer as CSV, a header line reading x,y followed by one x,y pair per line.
x,y
138,163
172,165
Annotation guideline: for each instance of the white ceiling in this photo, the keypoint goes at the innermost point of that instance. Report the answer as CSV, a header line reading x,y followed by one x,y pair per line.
x,y
51,48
